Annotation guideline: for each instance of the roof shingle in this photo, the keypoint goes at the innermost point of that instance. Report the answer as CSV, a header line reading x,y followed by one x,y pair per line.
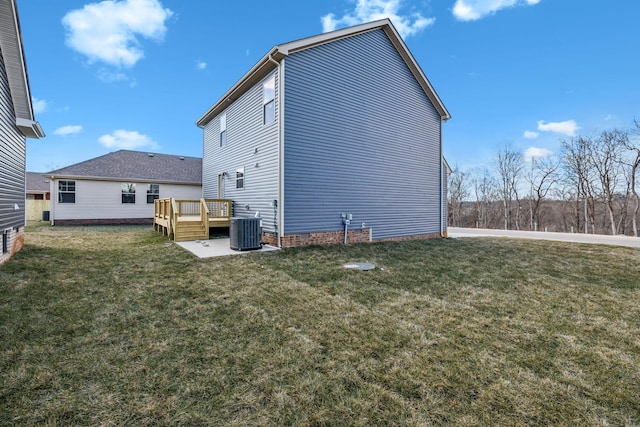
x,y
137,165
37,182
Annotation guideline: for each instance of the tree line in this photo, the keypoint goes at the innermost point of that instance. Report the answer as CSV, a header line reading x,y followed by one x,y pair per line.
x,y
590,186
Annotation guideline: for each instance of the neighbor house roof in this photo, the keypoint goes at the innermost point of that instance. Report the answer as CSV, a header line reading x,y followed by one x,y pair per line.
x,y
37,182
136,165
16,67
277,53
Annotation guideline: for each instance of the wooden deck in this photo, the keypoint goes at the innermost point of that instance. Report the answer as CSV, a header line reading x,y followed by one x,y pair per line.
x,y
184,220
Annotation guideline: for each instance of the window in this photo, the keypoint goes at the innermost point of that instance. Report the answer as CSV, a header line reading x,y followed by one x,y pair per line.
x,y
240,178
223,129
66,191
153,192
128,193
5,242
269,100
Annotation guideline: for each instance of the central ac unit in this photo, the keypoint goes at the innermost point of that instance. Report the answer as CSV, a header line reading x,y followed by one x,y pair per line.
x,y
245,233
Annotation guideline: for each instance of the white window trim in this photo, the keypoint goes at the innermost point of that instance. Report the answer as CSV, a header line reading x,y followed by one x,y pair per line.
x,y
240,176
269,100
223,129
122,193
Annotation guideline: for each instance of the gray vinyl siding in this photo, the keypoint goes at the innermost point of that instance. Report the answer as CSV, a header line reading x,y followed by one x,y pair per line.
x,y
361,137
12,160
250,144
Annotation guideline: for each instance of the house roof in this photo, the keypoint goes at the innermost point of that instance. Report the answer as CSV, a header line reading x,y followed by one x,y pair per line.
x,y
16,67
136,165
277,53
37,182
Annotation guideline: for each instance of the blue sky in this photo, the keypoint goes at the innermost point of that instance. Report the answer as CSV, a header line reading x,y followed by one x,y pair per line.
x,y
137,74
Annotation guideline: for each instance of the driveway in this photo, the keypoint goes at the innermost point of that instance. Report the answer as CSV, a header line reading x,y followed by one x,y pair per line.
x,y
633,242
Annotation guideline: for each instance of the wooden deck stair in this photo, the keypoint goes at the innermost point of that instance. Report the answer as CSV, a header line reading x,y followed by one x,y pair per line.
x,y
190,230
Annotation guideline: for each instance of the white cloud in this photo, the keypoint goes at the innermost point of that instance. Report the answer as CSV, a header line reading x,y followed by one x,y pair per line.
x,y
201,65
532,153
372,10
111,76
128,140
39,105
530,134
610,117
568,127
68,130
471,10
109,31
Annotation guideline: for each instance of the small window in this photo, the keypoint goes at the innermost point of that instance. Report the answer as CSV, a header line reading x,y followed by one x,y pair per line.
x,y
66,191
223,129
240,178
5,242
128,193
153,192
269,100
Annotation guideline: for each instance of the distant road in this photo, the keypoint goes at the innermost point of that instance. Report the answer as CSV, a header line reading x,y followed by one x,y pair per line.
x,y
633,242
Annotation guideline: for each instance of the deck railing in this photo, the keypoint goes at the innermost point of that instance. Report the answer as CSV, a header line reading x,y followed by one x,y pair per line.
x,y
168,213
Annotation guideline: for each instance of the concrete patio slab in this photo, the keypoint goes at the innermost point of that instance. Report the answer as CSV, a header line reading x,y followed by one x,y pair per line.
x,y
217,247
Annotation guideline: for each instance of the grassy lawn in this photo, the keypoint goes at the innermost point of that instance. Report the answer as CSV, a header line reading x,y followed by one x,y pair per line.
x,y
116,326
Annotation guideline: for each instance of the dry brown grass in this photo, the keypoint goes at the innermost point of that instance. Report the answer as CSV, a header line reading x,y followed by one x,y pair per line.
x,y
112,326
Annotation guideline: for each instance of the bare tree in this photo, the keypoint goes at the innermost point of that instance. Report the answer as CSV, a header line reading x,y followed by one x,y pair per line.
x,y
484,187
633,146
606,157
508,164
542,177
579,171
458,192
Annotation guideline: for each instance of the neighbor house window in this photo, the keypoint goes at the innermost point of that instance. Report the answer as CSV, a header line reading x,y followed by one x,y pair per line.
x,y
128,193
153,192
240,178
66,191
223,129
269,100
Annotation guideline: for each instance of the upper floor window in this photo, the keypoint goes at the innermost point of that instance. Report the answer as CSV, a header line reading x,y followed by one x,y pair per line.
x,y
128,193
66,191
240,178
223,129
153,192
269,100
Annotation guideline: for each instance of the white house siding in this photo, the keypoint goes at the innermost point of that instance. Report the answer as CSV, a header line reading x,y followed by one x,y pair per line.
x,y
361,137
102,200
250,144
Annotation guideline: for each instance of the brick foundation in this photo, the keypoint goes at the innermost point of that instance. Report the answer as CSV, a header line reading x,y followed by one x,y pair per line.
x,y
110,221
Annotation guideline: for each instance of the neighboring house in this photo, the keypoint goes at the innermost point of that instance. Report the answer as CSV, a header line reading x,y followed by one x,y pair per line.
x,y
38,197
17,122
120,187
344,122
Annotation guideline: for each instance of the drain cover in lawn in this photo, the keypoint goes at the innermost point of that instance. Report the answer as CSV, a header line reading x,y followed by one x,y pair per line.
x,y
362,266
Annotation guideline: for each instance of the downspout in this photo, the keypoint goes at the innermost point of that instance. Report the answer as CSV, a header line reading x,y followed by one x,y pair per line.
x,y
280,105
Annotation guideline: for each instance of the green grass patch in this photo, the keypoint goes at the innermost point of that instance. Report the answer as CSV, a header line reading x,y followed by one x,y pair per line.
x,y
116,326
